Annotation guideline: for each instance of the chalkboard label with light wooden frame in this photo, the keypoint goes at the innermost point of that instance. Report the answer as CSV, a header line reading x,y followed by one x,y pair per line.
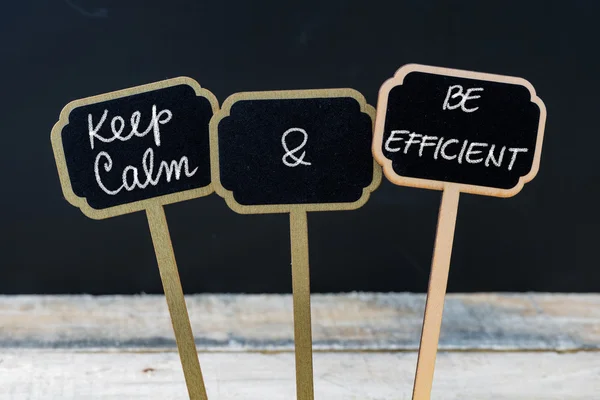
x,y
456,131
439,126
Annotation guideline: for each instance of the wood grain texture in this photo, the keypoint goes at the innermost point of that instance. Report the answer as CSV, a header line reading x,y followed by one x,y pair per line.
x,y
358,321
436,293
301,304
169,275
61,374
121,347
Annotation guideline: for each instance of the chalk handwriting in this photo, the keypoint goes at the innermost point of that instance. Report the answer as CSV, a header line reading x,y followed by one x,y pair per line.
x,y
290,154
394,138
464,97
452,149
130,177
117,125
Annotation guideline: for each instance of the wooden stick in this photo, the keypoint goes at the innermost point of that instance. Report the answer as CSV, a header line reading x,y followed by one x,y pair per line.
x,y
169,275
438,281
301,295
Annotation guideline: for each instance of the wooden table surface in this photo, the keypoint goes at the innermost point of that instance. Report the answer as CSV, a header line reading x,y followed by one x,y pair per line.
x,y
493,346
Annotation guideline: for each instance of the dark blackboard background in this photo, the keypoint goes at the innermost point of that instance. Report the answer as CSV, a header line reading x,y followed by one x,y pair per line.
x,y
543,239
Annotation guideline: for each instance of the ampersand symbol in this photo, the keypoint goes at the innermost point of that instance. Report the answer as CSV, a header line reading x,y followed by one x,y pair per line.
x,y
290,154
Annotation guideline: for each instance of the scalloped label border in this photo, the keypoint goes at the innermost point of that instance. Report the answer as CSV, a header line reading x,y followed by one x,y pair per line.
x,y
286,208
386,163
61,164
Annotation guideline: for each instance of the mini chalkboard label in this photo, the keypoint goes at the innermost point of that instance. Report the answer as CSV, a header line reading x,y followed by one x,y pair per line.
x,y
139,149
456,131
294,152
119,152
481,131
305,148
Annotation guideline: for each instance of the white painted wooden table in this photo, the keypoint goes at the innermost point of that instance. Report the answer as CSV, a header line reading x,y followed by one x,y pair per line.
x,y
525,346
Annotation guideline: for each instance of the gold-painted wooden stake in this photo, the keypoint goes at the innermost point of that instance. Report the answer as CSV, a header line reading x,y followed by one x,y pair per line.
x,y
301,295
438,281
169,275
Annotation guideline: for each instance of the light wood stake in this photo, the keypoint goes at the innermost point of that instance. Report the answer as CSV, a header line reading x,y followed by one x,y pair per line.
x,y
438,281
301,295
169,275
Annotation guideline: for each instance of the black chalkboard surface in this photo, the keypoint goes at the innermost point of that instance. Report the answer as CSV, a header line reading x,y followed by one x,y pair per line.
x,y
118,151
439,126
307,147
